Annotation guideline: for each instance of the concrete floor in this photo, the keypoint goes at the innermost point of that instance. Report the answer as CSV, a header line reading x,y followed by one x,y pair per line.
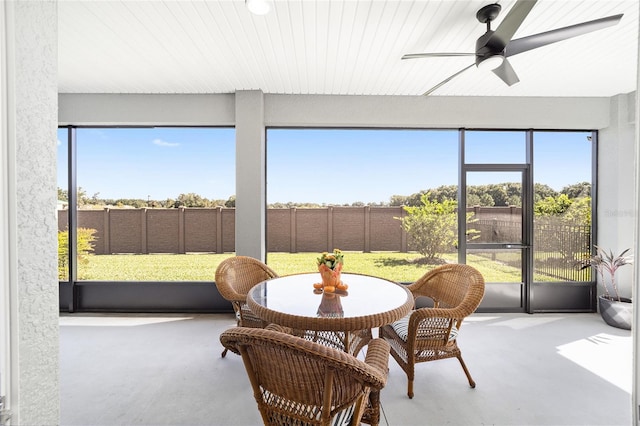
x,y
543,369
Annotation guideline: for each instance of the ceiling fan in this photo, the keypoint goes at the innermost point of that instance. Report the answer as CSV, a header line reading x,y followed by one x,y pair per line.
x,y
494,47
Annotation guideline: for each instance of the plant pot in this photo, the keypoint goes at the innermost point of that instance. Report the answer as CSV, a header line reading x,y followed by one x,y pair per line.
x,y
616,314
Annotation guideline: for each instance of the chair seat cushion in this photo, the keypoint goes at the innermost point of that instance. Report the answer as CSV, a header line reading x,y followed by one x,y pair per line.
x,y
401,327
343,418
285,408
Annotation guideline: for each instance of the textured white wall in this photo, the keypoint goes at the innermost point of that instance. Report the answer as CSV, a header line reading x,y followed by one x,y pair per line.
x,y
617,214
34,88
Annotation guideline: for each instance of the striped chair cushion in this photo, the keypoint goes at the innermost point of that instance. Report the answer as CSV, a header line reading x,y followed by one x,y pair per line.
x,y
401,327
343,418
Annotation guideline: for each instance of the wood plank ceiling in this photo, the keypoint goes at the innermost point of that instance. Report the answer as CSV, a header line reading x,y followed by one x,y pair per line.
x,y
337,47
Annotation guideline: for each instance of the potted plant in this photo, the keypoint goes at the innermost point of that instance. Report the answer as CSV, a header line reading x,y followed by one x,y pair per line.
x,y
615,310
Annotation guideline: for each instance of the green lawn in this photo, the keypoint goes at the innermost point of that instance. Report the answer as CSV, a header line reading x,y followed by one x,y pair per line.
x,y
201,267
391,265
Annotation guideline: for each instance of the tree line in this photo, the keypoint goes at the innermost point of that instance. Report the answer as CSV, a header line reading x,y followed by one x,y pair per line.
x,y
490,195
183,200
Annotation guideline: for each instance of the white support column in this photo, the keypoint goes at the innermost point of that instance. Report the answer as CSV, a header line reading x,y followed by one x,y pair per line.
x,y
28,214
250,175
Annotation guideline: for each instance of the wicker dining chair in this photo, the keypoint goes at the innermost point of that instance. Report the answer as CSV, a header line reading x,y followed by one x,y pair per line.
x,y
296,381
234,278
430,333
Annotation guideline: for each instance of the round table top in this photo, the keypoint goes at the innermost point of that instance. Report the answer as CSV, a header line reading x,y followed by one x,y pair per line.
x,y
368,302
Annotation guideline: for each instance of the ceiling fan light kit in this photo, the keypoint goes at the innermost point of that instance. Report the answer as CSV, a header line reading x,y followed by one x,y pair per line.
x,y
490,63
258,7
494,47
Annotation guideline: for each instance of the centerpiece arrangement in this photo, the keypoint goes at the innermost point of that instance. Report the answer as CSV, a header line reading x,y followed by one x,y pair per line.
x,y
330,268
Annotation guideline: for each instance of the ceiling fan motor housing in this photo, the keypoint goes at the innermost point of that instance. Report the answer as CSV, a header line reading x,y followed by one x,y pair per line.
x,y
486,47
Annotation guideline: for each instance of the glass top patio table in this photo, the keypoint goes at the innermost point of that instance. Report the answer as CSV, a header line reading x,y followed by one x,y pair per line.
x,y
369,302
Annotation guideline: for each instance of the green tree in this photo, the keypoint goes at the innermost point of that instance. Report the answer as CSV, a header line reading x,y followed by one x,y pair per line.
x,y
580,211
515,200
473,200
189,200
561,213
486,200
398,200
552,206
138,203
513,189
542,191
577,190
217,203
414,199
443,192
431,226
499,193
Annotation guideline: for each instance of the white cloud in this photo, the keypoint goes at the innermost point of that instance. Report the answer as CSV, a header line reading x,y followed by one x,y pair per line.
x,y
160,142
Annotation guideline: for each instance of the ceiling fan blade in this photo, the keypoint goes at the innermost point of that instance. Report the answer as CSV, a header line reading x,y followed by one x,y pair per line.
x,y
506,73
542,39
510,24
448,79
434,55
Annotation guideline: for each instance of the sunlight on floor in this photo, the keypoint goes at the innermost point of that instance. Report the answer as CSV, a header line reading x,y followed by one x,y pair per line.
x,y
480,318
607,356
521,323
117,321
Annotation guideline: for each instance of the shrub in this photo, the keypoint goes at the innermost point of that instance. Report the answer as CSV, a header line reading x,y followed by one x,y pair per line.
x,y
431,226
85,247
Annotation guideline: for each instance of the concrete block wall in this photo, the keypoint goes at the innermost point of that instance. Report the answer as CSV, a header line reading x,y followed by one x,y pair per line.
x,y
188,230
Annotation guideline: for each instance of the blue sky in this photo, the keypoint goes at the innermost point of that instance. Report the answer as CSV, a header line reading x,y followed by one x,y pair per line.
x,y
308,165
158,163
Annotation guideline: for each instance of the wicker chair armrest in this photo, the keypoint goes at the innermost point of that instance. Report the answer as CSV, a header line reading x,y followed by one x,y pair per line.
x,y
452,313
420,315
378,357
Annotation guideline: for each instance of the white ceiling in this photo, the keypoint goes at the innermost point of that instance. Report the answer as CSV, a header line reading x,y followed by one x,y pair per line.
x,y
337,47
